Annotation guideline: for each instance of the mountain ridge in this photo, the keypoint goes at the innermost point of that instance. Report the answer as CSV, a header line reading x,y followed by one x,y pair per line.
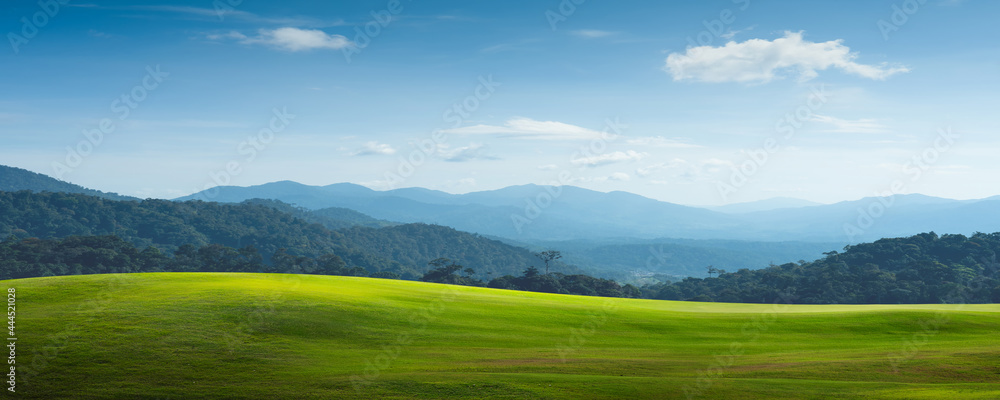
x,y
551,213
13,179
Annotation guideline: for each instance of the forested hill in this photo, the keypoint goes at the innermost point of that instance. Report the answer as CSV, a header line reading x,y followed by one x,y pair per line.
x,y
333,218
168,225
16,179
925,268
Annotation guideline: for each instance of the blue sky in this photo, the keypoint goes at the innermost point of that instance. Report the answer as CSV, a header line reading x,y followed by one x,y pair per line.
x,y
705,103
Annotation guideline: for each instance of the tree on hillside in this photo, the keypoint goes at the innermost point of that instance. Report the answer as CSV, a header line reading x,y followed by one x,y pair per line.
x,y
548,257
444,272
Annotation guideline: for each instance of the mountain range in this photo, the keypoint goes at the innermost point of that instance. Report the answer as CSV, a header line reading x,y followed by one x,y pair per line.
x,y
616,234
13,179
547,213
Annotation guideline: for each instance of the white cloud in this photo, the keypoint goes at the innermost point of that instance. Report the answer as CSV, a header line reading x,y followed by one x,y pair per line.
x,y
460,183
374,148
228,35
222,14
609,158
864,125
759,60
683,171
203,12
591,33
620,176
98,34
732,33
529,128
512,46
474,151
548,167
617,176
295,39
143,124
659,141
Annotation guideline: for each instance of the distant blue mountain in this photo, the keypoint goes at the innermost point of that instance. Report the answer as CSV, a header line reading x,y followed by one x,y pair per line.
x,y
14,179
533,213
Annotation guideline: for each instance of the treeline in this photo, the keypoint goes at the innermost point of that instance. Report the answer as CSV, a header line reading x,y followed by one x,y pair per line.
x,y
924,268
82,255
266,225
532,280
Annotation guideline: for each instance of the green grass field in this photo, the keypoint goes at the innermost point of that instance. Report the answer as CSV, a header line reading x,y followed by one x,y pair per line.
x,y
261,336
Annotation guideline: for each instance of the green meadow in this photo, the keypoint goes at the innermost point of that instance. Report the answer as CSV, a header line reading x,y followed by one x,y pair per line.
x,y
273,336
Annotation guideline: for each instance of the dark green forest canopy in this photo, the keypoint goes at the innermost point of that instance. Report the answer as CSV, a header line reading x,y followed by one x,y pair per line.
x,y
924,268
168,225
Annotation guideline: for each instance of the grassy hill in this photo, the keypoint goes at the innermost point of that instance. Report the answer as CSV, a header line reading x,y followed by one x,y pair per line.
x,y
261,336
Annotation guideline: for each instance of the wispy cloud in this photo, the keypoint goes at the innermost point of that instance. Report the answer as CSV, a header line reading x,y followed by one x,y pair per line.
x,y
592,33
733,32
374,148
683,171
511,46
474,151
659,141
144,124
619,176
288,39
98,34
228,35
760,61
529,129
236,14
460,183
609,158
204,12
614,177
864,125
